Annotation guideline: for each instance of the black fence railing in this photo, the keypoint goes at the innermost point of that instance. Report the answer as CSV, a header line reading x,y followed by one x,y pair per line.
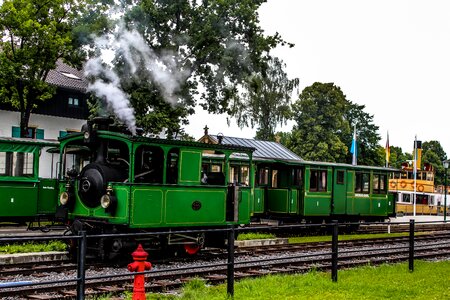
x,y
83,240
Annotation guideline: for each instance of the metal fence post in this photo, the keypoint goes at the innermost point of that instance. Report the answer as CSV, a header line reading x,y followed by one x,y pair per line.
x,y
411,245
81,267
334,251
230,266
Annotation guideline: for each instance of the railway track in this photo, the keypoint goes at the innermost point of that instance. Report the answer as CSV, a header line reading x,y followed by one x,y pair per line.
x,y
396,227
211,266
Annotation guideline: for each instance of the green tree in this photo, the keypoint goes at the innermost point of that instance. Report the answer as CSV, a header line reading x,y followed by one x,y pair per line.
x,y
268,100
367,137
320,124
35,34
212,47
434,154
324,126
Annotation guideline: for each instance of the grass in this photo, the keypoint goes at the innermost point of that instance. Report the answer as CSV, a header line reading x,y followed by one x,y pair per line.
x,y
254,236
343,237
428,281
32,247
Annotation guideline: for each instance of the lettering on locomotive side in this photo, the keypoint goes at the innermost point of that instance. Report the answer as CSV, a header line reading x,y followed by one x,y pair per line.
x,y
48,188
362,195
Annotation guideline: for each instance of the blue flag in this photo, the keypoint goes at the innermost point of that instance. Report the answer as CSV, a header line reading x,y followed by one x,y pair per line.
x,y
353,149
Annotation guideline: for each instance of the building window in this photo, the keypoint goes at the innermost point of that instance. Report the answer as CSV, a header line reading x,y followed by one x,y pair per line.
x,y
73,101
33,132
63,133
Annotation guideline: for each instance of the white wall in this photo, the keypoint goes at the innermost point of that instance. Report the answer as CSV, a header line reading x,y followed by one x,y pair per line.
x,y
51,125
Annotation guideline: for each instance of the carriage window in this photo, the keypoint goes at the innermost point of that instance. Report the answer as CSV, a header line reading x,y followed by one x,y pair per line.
x,y
383,184
263,176
379,184
149,164
216,168
376,183
274,178
340,177
239,175
245,175
172,166
3,163
318,181
298,177
362,184
234,174
17,164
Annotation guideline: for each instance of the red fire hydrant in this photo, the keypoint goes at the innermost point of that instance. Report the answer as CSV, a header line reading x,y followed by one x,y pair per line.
x,y
139,265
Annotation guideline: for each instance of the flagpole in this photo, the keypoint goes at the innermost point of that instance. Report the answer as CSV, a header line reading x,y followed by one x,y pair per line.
x,y
388,150
415,174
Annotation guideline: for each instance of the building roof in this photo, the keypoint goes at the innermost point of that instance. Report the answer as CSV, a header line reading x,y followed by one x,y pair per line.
x,y
264,149
67,77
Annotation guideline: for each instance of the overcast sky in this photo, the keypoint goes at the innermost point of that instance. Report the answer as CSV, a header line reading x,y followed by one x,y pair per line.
x,y
391,56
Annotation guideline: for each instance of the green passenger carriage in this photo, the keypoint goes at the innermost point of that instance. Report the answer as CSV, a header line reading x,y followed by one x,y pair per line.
x,y
316,191
28,190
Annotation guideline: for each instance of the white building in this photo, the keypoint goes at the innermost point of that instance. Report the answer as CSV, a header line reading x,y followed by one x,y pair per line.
x,y
66,112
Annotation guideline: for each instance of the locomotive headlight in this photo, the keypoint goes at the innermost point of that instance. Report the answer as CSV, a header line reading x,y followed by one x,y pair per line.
x,y
86,135
105,201
64,198
109,203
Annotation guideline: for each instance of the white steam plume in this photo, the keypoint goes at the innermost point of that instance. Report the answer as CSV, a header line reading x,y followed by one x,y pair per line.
x,y
140,59
116,99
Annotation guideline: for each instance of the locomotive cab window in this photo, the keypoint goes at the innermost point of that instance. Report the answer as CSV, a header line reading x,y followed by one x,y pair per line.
x,y
213,170
148,166
318,181
172,166
76,158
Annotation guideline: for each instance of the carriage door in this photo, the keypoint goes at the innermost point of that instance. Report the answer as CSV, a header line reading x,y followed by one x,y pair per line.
x,y
297,185
339,200
261,183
